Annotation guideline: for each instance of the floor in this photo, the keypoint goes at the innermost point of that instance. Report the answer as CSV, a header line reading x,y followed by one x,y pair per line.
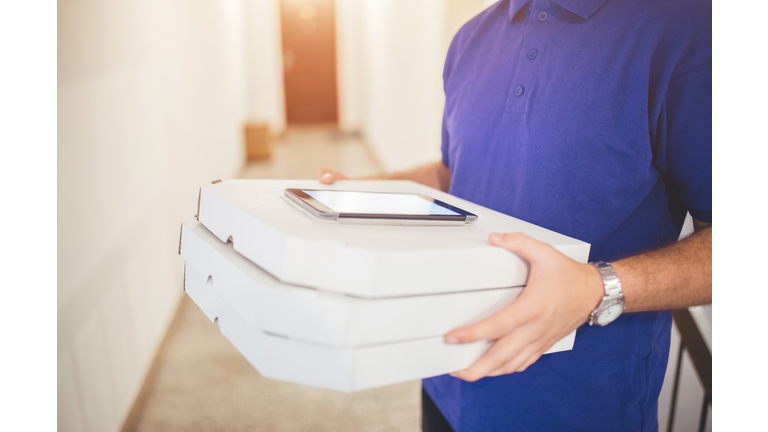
x,y
301,152
200,382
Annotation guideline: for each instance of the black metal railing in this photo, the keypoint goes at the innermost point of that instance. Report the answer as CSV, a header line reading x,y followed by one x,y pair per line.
x,y
701,357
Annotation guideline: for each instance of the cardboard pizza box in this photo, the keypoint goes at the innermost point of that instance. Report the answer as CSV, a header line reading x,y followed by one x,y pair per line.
x,y
324,318
368,261
280,356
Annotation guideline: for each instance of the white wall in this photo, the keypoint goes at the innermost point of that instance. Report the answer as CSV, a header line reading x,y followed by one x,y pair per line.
x,y
350,31
390,62
264,57
402,72
151,105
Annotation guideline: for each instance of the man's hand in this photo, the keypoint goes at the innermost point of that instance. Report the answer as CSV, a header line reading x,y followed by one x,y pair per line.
x,y
328,176
559,296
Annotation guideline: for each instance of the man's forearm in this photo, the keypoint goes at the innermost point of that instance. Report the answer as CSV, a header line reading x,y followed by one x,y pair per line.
x,y
434,174
676,276
561,293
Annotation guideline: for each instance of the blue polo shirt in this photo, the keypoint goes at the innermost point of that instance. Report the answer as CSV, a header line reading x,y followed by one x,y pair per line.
x,y
591,118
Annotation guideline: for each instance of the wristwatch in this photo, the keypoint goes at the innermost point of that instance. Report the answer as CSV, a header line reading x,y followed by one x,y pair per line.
x,y
613,303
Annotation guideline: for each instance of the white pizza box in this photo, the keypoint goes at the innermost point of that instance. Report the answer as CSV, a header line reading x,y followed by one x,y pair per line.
x,y
370,261
325,318
344,369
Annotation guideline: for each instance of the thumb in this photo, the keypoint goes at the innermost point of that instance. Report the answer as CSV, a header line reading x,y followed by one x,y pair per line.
x,y
526,247
329,176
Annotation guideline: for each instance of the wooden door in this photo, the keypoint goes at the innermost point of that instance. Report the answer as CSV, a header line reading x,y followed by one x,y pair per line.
x,y
309,57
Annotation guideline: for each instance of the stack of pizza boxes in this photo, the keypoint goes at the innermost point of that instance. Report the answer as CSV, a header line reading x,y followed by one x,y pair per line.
x,y
349,307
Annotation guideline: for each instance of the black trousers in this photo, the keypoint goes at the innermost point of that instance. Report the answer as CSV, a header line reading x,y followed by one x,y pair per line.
x,y
432,420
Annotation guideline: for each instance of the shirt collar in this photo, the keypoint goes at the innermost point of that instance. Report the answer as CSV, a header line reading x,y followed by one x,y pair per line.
x,y
582,8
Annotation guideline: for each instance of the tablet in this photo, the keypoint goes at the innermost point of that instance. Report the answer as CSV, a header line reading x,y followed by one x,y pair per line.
x,y
377,208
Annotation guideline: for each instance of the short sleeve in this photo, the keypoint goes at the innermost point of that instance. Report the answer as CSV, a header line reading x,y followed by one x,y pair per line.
x,y
444,145
684,140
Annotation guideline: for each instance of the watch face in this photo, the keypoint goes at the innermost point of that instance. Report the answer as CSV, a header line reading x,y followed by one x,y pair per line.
x,y
610,314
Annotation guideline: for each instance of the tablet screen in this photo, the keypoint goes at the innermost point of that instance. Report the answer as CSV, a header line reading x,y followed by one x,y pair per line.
x,y
378,203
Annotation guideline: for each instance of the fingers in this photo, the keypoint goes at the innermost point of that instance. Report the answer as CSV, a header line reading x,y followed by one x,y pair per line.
x,y
497,325
527,327
329,176
521,310
513,367
518,364
507,355
526,247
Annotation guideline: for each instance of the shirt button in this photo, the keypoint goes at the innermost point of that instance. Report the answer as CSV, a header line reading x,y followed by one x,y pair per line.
x,y
543,16
519,90
532,54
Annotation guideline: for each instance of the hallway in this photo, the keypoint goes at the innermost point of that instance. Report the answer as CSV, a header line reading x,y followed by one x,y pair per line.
x,y
200,382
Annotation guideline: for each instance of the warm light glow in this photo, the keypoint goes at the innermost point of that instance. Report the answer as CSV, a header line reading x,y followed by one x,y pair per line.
x,y
307,12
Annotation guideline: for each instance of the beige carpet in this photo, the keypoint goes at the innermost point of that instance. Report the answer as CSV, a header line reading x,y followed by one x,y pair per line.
x,y
200,382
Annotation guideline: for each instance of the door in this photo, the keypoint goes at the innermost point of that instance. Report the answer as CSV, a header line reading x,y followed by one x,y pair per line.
x,y
309,59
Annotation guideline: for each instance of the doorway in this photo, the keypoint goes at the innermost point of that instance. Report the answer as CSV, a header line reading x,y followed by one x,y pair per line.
x,y
309,61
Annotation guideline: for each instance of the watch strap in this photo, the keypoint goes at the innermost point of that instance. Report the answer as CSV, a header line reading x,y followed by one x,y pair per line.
x,y
612,286
610,278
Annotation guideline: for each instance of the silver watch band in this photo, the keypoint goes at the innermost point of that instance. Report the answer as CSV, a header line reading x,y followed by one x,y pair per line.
x,y
610,279
613,293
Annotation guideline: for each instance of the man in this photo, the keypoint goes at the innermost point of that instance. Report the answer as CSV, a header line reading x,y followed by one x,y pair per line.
x,y
591,118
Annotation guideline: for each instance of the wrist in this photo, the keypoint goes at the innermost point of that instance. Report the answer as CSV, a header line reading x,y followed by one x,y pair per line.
x,y
629,278
594,288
